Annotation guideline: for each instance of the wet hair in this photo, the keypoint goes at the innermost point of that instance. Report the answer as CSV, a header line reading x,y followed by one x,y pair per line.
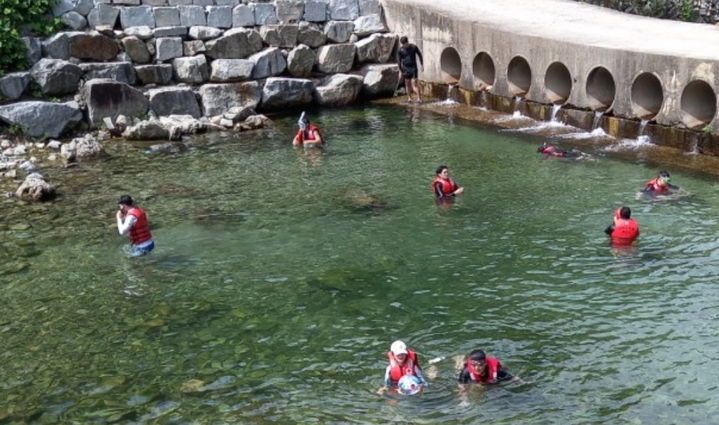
x,y
664,173
625,213
126,200
478,355
544,146
403,39
440,168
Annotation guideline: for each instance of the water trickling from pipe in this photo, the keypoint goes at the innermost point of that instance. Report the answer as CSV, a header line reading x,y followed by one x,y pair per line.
x,y
597,119
555,111
517,113
641,137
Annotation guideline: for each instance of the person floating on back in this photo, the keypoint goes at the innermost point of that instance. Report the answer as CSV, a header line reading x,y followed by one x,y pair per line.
x,y
407,56
549,150
133,219
659,185
624,229
401,362
482,369
443,186
308,135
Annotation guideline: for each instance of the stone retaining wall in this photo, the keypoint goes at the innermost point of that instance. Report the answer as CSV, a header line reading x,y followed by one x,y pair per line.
x,y
706,11
198,58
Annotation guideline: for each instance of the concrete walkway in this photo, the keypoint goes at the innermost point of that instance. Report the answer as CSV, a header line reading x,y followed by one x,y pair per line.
x,y
580,23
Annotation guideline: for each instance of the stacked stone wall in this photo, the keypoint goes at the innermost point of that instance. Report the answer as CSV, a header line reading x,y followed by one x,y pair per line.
x,y
706,11
199,58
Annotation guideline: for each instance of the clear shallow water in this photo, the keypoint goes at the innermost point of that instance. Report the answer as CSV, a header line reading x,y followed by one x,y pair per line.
x,y
281,277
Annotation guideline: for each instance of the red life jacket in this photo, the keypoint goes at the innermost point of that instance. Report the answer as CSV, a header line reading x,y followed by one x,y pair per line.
x,y
447,186
140,231
551,150
310,133
654,185
625,231
399,370
492,368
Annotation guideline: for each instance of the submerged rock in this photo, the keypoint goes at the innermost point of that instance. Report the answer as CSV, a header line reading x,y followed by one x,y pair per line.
x,y
35,189
359,200
172,127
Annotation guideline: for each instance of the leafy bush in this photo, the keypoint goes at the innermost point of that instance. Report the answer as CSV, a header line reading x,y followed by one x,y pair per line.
x,y
18,17
686,10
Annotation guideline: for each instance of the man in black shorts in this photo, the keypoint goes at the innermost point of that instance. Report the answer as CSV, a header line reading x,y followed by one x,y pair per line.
x,y
407,60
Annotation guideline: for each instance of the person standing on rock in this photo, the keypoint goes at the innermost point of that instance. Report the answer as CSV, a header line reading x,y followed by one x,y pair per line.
x,y
407,59
133,219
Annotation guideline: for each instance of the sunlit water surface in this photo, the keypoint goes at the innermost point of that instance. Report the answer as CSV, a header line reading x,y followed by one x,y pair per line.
x,y
281,277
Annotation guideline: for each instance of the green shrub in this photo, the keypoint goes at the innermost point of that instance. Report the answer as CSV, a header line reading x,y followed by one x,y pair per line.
x,y
686,10
18,17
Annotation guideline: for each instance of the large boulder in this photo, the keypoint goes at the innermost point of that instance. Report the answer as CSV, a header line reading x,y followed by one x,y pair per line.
x,y
174,101
137,16
193,47
290,11
345,10
109,98
380,80
338,90
219,16
265,14
35,189
57,46
334,58
82,149
191,16
204,33
339,31
118,71
166,16
74,20
281,93
220,98
376,48
154,74
56,77
236,43
167,128
369,7
300,61
267,63
280,35
315,11
142,32
42,119
103,14
370,24
231,70
168,48
92,46
136,49
192,70
13,85
311,37
243,16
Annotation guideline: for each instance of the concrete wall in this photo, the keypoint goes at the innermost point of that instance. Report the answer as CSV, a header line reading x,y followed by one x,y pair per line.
x,y
601,67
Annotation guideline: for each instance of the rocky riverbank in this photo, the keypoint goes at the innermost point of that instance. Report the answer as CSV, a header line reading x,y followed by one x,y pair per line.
x,y
162,69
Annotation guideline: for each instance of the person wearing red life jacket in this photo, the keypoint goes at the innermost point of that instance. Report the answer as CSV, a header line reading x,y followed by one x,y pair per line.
x,y
309,135
659,185
133,220
400,362
624,229
443,186
549,150
482,369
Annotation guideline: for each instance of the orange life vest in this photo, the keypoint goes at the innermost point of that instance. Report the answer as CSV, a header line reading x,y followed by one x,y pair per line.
x,y
625,231
443,187
398,370
140,231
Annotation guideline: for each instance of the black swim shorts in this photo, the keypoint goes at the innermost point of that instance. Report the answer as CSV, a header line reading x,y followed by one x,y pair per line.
x,y
410,73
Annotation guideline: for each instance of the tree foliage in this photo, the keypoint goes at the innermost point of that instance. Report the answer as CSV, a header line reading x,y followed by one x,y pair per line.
x,y
18,18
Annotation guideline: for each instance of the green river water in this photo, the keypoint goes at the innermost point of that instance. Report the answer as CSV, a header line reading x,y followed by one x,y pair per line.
x,y
280,278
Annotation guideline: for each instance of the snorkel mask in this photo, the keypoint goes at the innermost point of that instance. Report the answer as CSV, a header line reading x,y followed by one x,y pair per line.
x,y
303,122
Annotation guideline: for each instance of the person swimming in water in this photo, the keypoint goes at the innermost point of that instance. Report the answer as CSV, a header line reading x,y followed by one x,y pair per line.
x,y
401,361
443,186
624,229
659,185
483,369
309,135
549,150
